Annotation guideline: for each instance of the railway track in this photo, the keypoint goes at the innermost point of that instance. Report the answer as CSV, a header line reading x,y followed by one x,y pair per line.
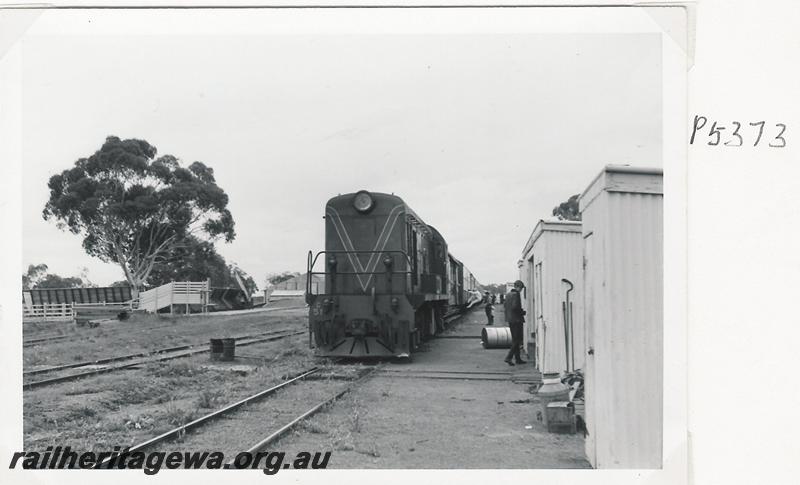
x,y
43,340
145,358
272,437
34,341
120,358
180,431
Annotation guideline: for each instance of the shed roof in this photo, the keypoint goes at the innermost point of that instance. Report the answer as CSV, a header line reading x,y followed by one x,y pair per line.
x,y
553,225
624,178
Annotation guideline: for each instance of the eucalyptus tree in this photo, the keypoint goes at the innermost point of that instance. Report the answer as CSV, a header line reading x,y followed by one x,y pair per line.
x,y
133,208
568,210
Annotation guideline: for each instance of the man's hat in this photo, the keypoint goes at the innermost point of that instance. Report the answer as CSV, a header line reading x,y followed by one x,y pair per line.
x,y
519,283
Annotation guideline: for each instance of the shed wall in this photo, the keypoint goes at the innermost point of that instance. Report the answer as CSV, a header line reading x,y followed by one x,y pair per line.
x,y
557,253
623,247
563,259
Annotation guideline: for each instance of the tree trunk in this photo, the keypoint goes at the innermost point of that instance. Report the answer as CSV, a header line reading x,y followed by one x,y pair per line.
x,y
134,282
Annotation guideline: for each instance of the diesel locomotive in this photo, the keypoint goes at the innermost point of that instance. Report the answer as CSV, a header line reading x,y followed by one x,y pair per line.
x,y
389,280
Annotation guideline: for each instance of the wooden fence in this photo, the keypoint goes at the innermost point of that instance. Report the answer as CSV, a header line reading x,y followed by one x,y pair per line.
x,y
47,312
64,312
175,293
188,293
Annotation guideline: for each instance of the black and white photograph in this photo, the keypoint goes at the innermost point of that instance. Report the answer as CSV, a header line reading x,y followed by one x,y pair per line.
x,y
294,239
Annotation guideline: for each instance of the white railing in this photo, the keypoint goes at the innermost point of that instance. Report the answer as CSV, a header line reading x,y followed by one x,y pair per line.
x,y
174,293
47,312
66,311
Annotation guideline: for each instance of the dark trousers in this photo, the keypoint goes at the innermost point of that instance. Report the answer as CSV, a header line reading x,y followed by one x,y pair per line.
x,y
516,341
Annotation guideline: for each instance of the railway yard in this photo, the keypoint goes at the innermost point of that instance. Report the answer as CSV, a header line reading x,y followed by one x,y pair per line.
x,y
148,383
381,357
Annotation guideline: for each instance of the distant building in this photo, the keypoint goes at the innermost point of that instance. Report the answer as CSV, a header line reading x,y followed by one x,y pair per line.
x,y
296,287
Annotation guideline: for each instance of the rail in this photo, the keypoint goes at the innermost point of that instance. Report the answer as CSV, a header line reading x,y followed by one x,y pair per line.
x,y
218,413
291,424
144,358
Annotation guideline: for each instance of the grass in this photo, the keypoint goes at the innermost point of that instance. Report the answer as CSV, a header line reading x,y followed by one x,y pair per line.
x,y
209,399
355,417
31,359
311,427
81,411
135,421
133,391
176,415
127,407
341,434
144,332
293,348
372,450
341,440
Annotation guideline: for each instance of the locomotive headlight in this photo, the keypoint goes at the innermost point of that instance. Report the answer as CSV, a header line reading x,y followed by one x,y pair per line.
x,y
387,261
363,201
395,303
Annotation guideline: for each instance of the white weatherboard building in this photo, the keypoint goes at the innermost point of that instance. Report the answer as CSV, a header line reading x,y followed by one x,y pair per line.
x,y
623,278
554,334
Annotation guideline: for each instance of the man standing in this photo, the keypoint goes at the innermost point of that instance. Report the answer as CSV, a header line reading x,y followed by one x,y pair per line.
x,y
515,316
489,310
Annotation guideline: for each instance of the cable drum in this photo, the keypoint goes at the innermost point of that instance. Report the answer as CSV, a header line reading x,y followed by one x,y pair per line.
x,y
496,338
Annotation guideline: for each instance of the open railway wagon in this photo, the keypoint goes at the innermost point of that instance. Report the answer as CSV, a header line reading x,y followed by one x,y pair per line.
x,y
389,279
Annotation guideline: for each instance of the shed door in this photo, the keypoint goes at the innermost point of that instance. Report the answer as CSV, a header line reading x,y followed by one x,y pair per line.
x,y
538,302
530,287
589,382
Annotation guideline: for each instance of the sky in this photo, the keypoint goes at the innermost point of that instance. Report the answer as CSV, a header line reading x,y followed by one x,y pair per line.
x,y
481,134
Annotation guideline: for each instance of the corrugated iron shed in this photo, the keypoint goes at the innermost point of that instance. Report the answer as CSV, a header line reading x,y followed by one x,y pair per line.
x,y
554,252
623,276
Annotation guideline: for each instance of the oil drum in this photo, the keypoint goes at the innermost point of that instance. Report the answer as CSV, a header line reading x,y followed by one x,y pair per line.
x,y
215,345
228,349
496,338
